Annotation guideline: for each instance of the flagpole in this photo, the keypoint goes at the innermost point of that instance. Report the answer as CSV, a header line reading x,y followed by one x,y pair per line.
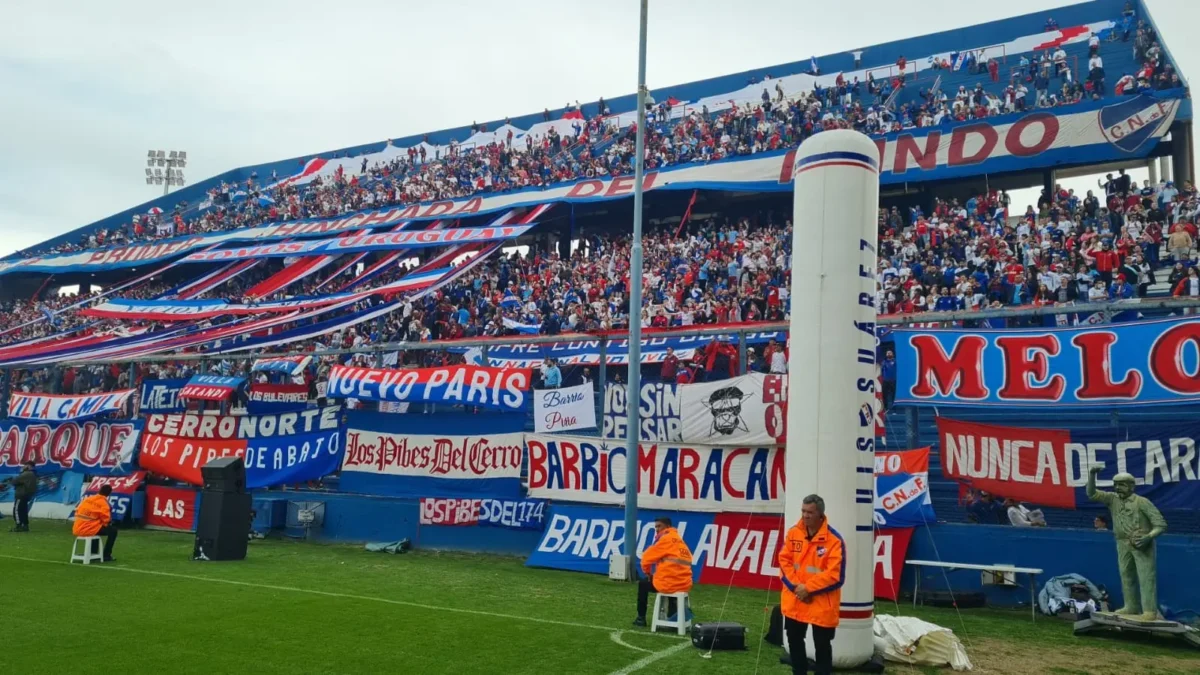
x,y
634,387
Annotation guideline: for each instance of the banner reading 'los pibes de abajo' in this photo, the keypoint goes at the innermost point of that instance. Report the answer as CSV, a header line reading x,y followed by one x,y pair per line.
x,y
1050,466
90,447
691,477
59,408
291,447
500,388
1149,362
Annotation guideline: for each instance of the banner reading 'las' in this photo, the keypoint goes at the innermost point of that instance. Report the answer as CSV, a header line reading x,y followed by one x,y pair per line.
x,y
1143,363
290,447
676,476
1050,467
500,388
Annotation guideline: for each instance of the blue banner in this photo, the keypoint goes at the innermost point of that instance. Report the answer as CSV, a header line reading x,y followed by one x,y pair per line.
x,y
902,489
658,407
1143,363
88,447
499,388
161,396
265,399
587,352
516,514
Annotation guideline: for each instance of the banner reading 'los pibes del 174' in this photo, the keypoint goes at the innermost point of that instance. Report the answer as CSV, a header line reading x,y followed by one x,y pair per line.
x,y
1151,362
290,447
58,408
689,477
500,388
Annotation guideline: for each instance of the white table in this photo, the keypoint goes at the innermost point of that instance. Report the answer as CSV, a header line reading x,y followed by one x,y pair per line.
x,y
951,567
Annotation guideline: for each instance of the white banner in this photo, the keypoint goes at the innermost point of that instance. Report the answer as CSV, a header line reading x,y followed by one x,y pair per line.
x,y
746,410
58,408
449,456
564,409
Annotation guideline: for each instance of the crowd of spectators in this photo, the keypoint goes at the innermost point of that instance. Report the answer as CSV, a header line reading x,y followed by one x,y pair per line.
x,y
594,146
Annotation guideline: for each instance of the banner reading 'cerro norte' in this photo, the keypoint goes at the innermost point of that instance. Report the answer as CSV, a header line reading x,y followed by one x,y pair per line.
x,y
289,447
1149,362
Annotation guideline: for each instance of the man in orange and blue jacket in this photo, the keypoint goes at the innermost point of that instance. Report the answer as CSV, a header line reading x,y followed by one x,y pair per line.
x,y
812,565
93,518
668,563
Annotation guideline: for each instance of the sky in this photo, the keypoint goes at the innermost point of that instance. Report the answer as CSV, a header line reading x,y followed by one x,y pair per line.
x,y
86,88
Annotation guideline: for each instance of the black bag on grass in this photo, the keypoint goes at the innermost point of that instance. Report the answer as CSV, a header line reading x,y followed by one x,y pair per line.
x,y
775,628
719,635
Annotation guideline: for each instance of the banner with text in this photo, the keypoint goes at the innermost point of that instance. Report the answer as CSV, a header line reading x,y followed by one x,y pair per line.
x,y
288,365
124,488
171,507
499,388
586,352
88,447
695,477
891,550
211,387
658,412
1143,363
750,409
60,408
902,489
273,398
517,514
278,449
564,409
162,396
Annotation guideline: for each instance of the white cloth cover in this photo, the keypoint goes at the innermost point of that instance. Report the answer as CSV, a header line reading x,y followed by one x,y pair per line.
x,y
905,639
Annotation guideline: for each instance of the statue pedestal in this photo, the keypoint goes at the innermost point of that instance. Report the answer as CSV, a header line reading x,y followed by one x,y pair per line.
x,y
1105,621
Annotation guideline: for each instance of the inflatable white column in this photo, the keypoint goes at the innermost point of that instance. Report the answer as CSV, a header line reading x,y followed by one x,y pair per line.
x,y
831,393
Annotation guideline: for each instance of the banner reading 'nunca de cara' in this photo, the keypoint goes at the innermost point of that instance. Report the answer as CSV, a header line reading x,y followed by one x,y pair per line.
x,y
88,447
675,476
290,447
500,388
1144,363
61,407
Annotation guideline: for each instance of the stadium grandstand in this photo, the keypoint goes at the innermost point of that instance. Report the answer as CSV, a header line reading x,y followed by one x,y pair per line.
x,y
506,243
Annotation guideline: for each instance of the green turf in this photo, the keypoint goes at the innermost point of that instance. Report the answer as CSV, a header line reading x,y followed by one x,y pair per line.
x,y
59,618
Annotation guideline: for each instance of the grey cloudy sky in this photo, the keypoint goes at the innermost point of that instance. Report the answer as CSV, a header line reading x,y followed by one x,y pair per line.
x,y
87,87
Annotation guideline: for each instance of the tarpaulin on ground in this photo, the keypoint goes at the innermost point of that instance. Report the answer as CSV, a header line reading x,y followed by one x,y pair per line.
x,y
902,489
658,412
274,398
586,351
694,477
1050,466
162,396
63,407
444,455
278,449
85,446
210,387
1144,363
288,365
564,409
749,409
500,388
171,507
517,514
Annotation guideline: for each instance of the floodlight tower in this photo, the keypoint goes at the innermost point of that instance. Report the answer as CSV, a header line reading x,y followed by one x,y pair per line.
x,y
175,162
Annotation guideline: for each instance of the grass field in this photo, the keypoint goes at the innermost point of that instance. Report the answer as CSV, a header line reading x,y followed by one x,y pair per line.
x,y
303,608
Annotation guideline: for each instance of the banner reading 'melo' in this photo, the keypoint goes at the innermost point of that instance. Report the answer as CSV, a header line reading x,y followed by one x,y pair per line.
x,y
290,447
675,476
1144,363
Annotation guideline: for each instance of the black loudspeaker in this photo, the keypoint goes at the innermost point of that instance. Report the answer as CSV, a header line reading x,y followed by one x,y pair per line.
x,y
223,526
225,474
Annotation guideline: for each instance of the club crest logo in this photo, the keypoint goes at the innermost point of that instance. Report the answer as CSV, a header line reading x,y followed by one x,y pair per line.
x,y
1129,124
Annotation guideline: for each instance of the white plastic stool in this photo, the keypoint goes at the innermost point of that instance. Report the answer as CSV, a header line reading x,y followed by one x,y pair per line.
x,y
87,557
681,623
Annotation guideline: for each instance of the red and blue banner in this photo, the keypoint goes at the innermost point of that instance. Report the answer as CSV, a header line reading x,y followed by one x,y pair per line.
x,y
274,398
210,387
84,446
287,365
586,352
124,491
1143,363
516,514
1049,467
902,489
162,396
444,455
694,477
61,408
499,388
280,449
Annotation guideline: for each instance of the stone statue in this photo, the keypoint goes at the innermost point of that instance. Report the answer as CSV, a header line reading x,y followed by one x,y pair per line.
x,y
1136,523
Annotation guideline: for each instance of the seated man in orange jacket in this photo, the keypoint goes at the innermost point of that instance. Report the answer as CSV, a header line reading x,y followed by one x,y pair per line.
x,y
671,562
812,565
93,517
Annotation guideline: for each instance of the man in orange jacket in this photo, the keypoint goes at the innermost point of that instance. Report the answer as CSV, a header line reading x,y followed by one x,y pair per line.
x,y
812,565
93,517
668,563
